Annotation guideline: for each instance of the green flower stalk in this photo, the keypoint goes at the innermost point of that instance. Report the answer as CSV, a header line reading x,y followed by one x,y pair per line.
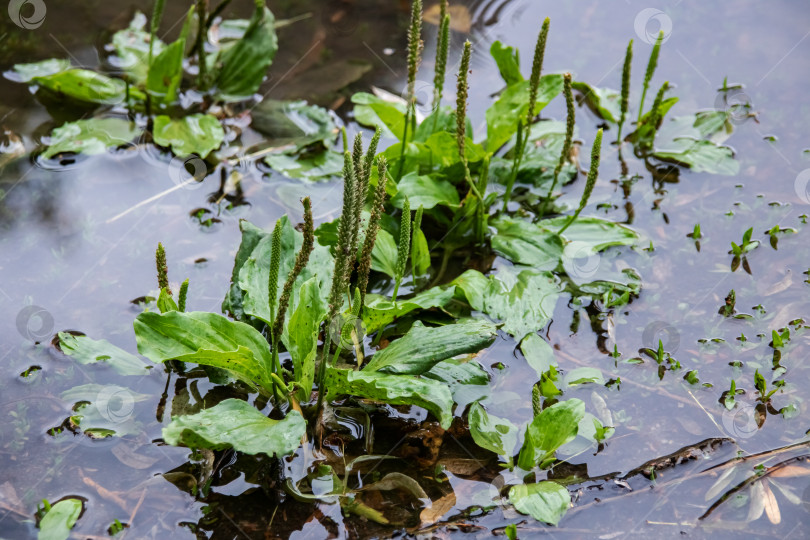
x,y
370,153
162,269
360,188
416,227
442,47
593,172
537,67
462,88
648,75
377,209
346,231
275,263
523,131
301,260
157,15
202,10
655,111
181,301
404,246
625,103
569,136
414,47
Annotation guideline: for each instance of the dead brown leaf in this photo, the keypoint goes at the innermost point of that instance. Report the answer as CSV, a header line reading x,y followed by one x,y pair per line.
x,y
439,508
460,18
771,506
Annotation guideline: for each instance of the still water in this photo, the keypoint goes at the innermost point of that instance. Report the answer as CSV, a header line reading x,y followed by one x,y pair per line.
x,y
78,239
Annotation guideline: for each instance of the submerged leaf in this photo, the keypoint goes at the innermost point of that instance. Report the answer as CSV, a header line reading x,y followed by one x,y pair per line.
x,y
59,520
293,123
236,424
422,347
90,351
544,501
27,72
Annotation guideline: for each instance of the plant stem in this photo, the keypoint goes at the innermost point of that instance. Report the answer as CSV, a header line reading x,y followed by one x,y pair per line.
x,y
569,136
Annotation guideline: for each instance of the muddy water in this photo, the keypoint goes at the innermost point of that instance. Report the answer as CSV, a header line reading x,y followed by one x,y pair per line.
x,y
78,238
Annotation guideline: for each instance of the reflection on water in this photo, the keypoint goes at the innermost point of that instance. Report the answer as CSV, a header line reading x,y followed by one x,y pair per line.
x,y
78,239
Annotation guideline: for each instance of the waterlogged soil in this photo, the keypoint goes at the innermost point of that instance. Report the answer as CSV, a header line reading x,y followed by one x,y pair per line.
x,y
78,239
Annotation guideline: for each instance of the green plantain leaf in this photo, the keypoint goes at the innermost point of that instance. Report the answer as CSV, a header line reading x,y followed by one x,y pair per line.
x,y
91,136
393,389
166,72
90,351
498,435
513,105
59,520
379,311
553,427
83,85
28,72
236,424
242,66
508,60
426,191
421,348
525,243
372,111
301,336
603,101
198,134
208,339
293,123
544,501
131,46
592,232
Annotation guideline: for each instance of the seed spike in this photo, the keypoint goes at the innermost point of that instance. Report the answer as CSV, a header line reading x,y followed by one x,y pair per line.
x,y
301,260
625,103
275,263
371,229
593,173
442,48
648,75
414,47
537,68
569,136
162,269
404,246
183,294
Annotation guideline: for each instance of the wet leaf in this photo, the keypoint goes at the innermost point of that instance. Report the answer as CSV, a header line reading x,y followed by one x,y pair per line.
x,y
90,351
301,336
59,520
508,60
208,339
538,353
379,311
771,505
195,134
426,191
103,410
397,480
242,66
131,47
236,424
583,375
693,141
544,501
757,503
91,136
83,85
603,101
27,72
523,242
593,233
294,123
439,508
254,271
423,347
311,166
524,302
166,72
384,255
468,382
393,389
513,105
553,427
372,111
498,435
